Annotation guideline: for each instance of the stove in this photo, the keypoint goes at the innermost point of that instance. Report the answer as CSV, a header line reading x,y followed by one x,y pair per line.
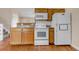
x,y
41,33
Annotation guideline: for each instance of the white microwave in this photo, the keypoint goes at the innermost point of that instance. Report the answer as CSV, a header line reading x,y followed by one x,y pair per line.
x,y
41,16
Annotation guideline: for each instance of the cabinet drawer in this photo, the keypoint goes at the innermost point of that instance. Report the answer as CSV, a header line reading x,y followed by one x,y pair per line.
x,y
41,42
51,29
28,30
16,29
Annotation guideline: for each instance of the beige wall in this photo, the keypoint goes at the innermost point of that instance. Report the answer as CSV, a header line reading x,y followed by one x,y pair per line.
x,y
5,17
23,12
75,27
6,14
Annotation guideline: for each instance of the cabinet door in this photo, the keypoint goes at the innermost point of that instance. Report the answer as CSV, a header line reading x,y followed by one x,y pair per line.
x,y
59,10
41,10
51,35
15,36
28,36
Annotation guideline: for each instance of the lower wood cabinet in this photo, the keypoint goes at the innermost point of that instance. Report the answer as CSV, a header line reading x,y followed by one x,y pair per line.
x,y
28,36
22,36
15,36
51,35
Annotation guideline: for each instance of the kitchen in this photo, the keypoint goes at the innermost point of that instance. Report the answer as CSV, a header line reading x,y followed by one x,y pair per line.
x,y
32,29
40,27
37,30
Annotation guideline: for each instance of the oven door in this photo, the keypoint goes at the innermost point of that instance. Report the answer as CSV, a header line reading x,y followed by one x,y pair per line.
x,y
41,34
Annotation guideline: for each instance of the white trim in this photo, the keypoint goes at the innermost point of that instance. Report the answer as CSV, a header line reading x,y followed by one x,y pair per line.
x,y
76,47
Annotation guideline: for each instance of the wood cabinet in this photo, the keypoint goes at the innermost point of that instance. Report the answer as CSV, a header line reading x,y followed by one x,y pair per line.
x,y
41,10
28,36
15,36
22,36
51,35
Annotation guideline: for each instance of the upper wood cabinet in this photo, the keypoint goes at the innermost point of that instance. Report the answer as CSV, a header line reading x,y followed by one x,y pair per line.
x,y
41,10
50,11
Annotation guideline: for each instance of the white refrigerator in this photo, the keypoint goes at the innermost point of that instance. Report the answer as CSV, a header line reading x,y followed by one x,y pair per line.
x,y
62,24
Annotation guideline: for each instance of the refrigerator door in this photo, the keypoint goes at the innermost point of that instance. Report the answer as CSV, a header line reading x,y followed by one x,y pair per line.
x,y
62,29
63,36
61,18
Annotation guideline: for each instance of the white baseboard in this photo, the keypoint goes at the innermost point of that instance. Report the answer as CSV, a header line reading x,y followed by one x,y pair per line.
x,y
76,47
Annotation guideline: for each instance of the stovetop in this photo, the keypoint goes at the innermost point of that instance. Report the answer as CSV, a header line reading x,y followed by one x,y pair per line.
x,y
42,24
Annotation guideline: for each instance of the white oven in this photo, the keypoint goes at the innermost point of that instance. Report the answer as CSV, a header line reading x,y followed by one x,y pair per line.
x,y
41,36
41,33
